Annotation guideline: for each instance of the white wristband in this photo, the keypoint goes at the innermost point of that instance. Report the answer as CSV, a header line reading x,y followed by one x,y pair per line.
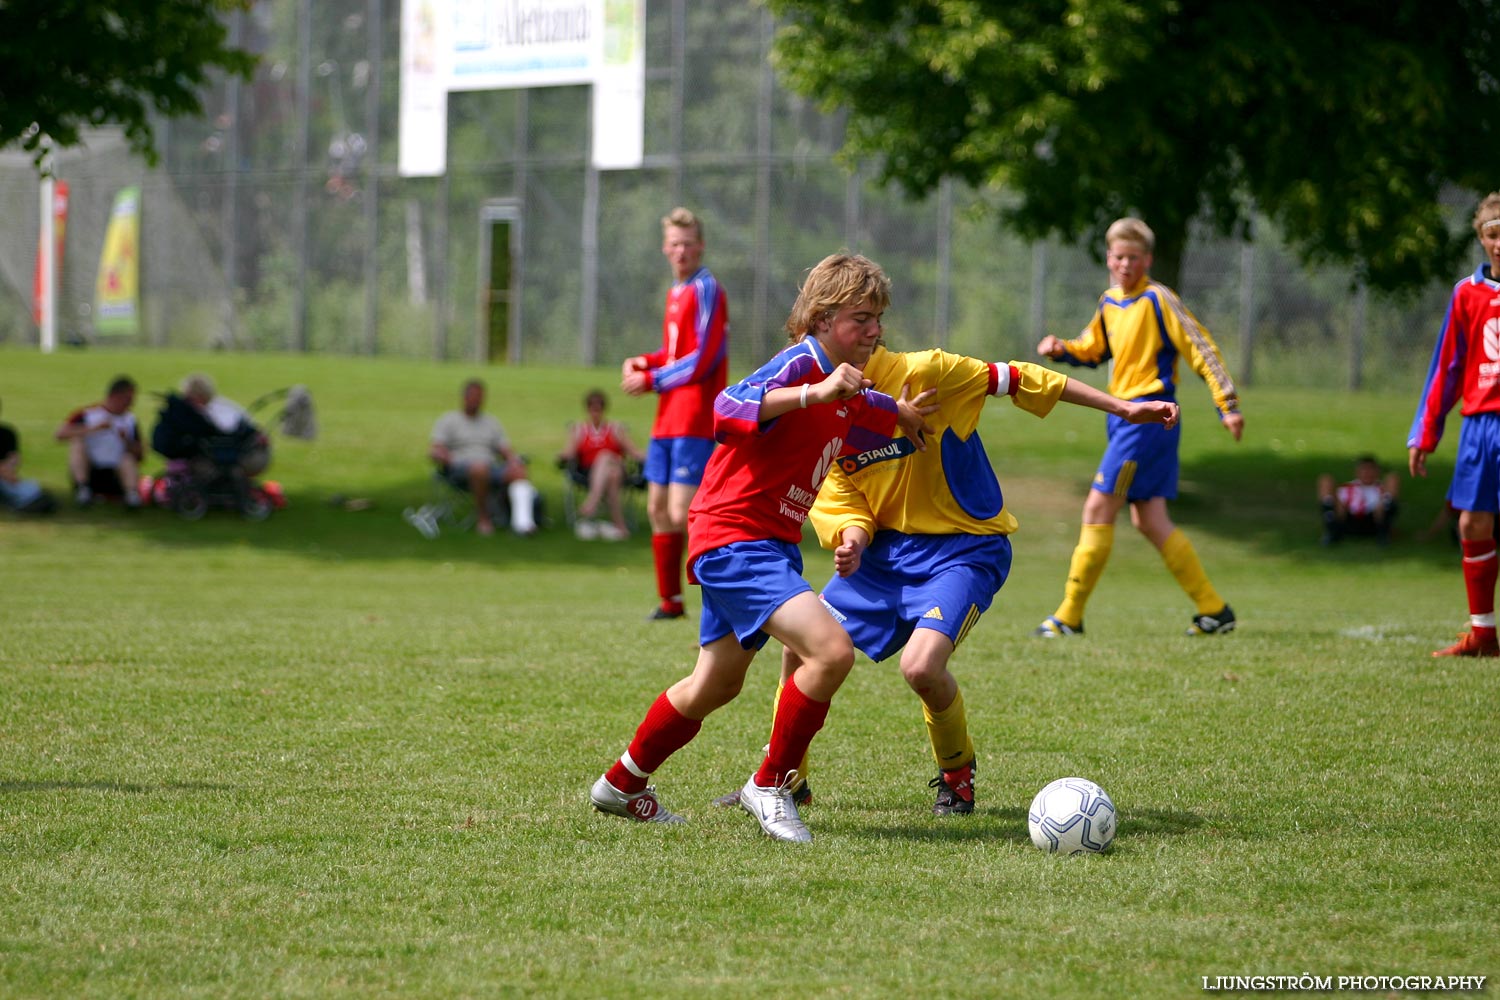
x,y
804,395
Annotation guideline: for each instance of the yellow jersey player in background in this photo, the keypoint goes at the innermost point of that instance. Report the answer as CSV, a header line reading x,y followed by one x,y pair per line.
x,y
1143,329
921,538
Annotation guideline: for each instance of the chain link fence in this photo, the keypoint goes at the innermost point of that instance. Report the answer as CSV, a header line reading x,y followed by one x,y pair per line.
x,y
278,222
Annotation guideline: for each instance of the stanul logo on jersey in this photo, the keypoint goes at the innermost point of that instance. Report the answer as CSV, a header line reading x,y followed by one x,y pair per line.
x,y
1488,370
898,448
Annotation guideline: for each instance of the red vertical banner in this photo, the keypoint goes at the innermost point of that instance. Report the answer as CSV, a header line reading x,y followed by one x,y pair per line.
x,y
59,231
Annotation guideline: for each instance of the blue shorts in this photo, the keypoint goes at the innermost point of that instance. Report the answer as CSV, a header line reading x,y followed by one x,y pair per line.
x,y
907,582
743,583
21,493
1141,460
1476,470
677,460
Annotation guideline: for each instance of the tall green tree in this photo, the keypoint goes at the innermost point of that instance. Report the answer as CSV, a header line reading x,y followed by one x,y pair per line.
x,y
1342,120
66,65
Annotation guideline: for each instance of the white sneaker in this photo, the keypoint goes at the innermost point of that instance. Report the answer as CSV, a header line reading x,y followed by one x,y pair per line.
x,y
586,530
642,807
775,810
609,533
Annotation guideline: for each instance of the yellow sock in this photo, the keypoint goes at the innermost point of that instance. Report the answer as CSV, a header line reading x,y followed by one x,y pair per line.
x,y
949,732
802,769
1182,559
1094,543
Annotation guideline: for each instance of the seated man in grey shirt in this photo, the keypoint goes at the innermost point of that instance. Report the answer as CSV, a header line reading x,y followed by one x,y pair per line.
x,y
474,453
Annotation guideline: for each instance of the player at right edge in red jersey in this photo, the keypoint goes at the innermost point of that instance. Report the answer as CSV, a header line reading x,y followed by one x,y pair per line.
x,y
1466,366
687,373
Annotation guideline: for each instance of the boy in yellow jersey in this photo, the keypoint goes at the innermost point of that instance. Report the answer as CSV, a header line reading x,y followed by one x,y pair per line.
x,y
921,538
1142,328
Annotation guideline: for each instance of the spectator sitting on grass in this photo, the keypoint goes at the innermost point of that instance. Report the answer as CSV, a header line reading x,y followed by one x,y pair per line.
x,y
1365,506
104,446
23,495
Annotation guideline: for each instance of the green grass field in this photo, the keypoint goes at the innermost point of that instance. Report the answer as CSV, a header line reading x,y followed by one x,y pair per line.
x,y
324,757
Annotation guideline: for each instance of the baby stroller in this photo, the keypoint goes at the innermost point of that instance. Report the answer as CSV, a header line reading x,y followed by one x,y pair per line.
x,y
207,467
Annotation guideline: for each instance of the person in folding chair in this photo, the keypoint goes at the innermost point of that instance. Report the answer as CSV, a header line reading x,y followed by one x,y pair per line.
x,y
595,460
473,453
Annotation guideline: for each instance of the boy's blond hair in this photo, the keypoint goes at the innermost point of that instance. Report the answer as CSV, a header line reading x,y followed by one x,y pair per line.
x,y
840,279
1131,230
1488,213
682,218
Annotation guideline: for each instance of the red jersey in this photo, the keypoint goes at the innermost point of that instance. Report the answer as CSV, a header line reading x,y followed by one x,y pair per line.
x,y
589,441
763,481
1360,499
692,366
1465,362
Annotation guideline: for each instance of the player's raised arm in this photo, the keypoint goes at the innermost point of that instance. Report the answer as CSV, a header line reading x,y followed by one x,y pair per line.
x,y
1147,411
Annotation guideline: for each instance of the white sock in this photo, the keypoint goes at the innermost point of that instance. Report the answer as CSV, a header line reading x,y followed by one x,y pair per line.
x,y
522,506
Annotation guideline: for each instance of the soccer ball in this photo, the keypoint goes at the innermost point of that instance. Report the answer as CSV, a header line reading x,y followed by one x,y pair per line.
x,y
1072,816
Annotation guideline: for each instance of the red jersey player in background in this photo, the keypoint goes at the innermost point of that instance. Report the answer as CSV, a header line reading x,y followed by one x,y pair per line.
x,y
1466,366
782,428
686,374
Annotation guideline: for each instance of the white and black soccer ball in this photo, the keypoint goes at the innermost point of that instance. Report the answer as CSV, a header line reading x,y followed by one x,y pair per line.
x,y
1072,816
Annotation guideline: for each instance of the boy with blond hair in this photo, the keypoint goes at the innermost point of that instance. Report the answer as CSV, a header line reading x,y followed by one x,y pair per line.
x,y
1466,366
780,429
1143,330
921,539
686,373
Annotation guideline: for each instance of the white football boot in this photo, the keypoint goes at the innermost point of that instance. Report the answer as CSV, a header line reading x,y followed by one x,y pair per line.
x,y
642,807
775,809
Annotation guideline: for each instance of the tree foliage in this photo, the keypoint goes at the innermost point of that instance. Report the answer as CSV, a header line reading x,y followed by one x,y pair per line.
x,y
1343,121
66,65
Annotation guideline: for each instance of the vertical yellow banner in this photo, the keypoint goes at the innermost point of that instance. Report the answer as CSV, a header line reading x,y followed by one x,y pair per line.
x,y
117,292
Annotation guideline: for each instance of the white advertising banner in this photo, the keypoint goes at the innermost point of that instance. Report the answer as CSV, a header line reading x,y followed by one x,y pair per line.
x,y
450,45
423,125
508,44
620,88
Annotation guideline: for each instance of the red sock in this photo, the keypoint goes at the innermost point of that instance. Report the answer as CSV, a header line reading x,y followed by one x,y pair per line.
x,y
798,719
662,733
667,548
1480,570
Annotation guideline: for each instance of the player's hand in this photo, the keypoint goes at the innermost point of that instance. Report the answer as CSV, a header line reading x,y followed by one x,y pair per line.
x,y
911,414
1234,423
1416,462
1050,347
846,557
1153,411
632,364
636,382
845,381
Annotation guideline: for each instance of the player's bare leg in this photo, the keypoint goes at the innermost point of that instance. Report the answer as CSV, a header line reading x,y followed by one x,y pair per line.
x,y
924,665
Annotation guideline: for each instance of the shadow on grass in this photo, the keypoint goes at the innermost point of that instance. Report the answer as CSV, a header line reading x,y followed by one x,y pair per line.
x,y
126,788
1268,500
1263,499
1149,822
337,526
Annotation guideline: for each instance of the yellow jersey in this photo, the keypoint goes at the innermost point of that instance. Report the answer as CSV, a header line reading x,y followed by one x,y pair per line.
x,y
950,488
1143,332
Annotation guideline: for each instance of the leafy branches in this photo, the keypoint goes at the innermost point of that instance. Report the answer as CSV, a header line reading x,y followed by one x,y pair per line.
x,y
66,65
1342,121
